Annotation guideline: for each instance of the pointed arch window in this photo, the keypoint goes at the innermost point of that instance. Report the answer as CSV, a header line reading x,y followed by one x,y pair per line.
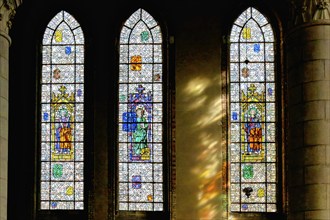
x,y
62,115
252,140
140,161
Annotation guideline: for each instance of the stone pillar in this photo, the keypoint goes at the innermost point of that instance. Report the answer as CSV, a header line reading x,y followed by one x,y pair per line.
x,y
308,151
7,11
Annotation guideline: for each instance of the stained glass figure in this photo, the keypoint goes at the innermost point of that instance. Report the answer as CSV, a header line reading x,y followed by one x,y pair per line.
x,y
140,115
62,113
252,153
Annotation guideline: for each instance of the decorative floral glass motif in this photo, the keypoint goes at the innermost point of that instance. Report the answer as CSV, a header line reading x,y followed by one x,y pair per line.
x,y
136,63
62,114
253,149
140,115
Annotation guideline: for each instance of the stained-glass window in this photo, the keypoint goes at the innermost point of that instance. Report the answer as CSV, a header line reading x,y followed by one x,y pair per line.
x,y
252,139
140,168
62,115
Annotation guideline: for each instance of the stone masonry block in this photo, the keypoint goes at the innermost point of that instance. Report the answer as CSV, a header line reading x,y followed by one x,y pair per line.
x,y
326,29
4,47
3,169
316,132
3,107
314,110
315,32
313,70
3,208
315,197
3,88
326,69
3,148
314,155
328,198
3,188
317,174
318,90
327,109
318,214
4,68
316,49
4,127
327,154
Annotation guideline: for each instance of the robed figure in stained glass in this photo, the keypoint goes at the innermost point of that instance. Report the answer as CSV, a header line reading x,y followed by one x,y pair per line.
x,y
63,127
140,134
253,131
253,96
138,124
63,132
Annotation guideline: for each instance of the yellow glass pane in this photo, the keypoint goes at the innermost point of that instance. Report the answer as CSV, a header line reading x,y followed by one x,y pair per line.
x,y
136,63
58,36
246,33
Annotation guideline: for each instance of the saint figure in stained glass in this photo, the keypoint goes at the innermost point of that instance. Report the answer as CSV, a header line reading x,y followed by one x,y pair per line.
x,y
63,132
253,131
137,124
140,134
62,129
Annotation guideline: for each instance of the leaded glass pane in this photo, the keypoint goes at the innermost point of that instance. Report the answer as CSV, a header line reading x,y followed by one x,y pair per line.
x,y
157,35
252,142
136,36
62,115
133,19
124,35
71,21
148,19
268,33
259,17
140,115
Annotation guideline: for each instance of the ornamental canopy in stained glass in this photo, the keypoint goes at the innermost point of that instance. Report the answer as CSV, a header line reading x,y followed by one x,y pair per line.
x,y
140,168
62,115
252,140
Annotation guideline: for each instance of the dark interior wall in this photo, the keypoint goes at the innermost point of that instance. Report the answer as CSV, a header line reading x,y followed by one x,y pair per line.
x,y
197,31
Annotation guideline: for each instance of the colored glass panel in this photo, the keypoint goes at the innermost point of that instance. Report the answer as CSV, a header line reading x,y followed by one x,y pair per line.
x,y
252,139
136,63
247,33
140,185
62,115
